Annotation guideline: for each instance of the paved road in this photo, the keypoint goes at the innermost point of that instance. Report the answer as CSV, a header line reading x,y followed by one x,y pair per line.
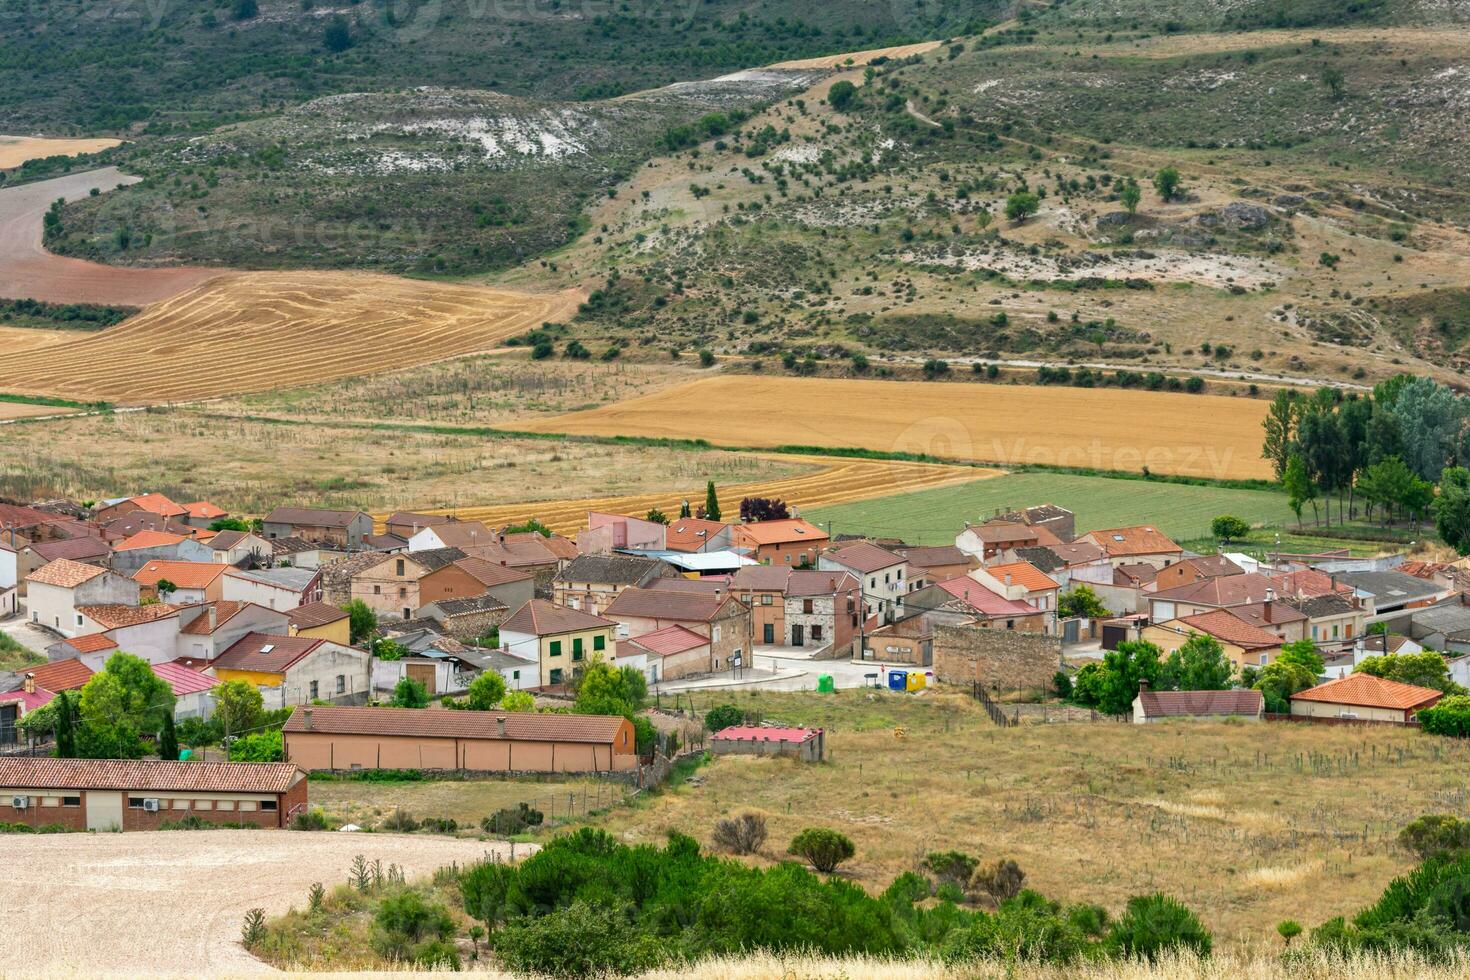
x,y
28,271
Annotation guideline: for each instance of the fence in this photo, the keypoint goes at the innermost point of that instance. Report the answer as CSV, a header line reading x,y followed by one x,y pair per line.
x,y
992,708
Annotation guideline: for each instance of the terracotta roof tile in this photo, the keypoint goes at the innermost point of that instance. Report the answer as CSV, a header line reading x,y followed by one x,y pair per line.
x,y
266,653
670,640
183,680
439,723
864,558
1024,574
692,607
203,510
315,614
111,615
780,532
930,556
542,617
184,574
65,573
759,733
1140,539
157,503
91,643
1196,704
61,675
1225,625
692,533
223,610
79,548
148,539
127,774
1222,590
312,517
1367,691
984,601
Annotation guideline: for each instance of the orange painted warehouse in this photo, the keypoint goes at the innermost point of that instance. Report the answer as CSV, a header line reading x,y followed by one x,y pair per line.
x,y
318,737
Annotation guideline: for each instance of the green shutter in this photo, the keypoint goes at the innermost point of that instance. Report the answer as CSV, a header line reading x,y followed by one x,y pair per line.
x,y
556,648
599,642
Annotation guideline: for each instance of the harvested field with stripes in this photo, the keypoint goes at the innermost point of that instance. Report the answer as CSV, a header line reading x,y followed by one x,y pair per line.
x,y
1213,436
840,481
246,332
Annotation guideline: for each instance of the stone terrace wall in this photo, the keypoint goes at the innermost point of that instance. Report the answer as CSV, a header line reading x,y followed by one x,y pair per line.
x,y
1002,659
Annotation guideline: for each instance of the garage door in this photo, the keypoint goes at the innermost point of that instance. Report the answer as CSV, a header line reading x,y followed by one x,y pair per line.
x,y
424,674
104,811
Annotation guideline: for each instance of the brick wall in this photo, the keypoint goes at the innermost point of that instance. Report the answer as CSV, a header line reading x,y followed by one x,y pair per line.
x,y
1005,659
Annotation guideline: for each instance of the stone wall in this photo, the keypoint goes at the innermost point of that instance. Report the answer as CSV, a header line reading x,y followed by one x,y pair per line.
x,y
472,625
1001,659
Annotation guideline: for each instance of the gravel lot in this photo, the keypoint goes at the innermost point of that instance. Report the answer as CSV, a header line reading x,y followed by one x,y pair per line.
x,y
171,902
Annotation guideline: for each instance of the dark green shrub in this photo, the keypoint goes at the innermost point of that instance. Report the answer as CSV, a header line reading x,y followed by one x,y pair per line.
x,y
577,941
824,849
952,866
1436,834
512,820
409,928
723,716
1157,924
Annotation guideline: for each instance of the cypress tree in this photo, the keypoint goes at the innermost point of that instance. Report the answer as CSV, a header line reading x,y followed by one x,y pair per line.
x,y
66,744
711,502
168,740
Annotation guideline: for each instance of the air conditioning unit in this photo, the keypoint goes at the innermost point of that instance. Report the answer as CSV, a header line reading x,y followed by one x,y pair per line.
x,y
20,802
151,805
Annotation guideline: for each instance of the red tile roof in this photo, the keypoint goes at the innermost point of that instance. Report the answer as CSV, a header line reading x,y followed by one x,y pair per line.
x,y
61,675
864,558
223,610
1367,691
981,599
781,532
489,574
127,774
755,733
157,503
65,573
203,510
1024,574
315,614
689,607
148,539
691,533
670,640
91,643
1226,626
28,700
183,680
804,582
265,653
79,548
115,614
438,723
312,517
184,574
1222,590
1197,704
1121,542
542,617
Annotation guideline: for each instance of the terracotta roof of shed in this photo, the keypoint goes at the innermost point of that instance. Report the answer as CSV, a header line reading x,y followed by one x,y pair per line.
x,y
1367,691
140,774
91,643
670,640
782,531
1024,574
1184,704
439,723
757,733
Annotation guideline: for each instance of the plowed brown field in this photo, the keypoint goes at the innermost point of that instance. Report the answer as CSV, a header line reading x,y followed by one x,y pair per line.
x,y
245,332
840,481
1212,436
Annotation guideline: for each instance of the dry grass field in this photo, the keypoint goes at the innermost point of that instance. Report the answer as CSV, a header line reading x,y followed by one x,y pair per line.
x,y
1247,823
171,903
17,410
468,802
251,467
244,332
837,482
1194,435
16,150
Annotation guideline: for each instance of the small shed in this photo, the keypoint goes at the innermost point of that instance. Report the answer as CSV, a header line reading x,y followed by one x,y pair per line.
x,y
806,744
1151,706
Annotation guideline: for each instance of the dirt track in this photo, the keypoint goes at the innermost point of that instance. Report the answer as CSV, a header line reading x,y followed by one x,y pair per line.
x,y
170,903
28,271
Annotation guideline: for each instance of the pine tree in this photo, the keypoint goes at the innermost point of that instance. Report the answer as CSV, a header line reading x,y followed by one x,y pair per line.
x,y
168,739
711,502
66,743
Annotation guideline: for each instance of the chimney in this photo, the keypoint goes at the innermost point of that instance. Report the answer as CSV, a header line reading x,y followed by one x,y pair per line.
x,y
1142,686
500,725
1008,580
30,684
213,618
1270,594
306,717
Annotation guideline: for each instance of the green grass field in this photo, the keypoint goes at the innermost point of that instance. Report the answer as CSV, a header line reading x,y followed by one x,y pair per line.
x,y
935,516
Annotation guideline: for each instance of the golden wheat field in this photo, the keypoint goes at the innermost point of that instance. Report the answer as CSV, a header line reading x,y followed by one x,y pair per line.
x,y
1009,425
247,332
838,482
16,150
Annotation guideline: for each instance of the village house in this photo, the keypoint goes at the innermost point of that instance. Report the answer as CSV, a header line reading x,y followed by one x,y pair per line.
x,y
908,641
468,619
1244,645
150,632
274,588
192,581
405,524
557,638
696,535
320,738
1385,592
964,600
57,590
723,619
591,582
391,585
237,548
1187,570
1281,619
798,607
606,533
344,530
1023,582
156,504
211,628
789,543
296,669
1205,594
1066,563
530,552
1155,706
1362,698
137,550
879,572
930,564
666,654
202,514
512,587
127,794
1060,522
319,621
1134,545
462,535
987,541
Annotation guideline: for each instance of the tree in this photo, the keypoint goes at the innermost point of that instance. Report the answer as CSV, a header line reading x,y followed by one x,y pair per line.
x,y
824,849
1082,602
1123,669
1131,195
164,588
1288,929
518,701
1452,509
1166,182
684,510
118,704
711,503
1430,417
336,35
485,692
237,706
1333,78
409,693
168,740
755,509
607,690
229,524
656,516
1299,487
362,622
1279,681
259,747
532,526
723,716
1303,653
66,742
1153,925
1022,205
1199,664
1425,669
1280,425
841,95
1229,528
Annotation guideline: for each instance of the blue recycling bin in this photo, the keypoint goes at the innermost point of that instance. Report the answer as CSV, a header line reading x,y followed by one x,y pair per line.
x,y
898,680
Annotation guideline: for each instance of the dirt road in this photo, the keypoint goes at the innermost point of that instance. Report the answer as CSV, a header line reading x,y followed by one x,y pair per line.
x,y
170,903
28,271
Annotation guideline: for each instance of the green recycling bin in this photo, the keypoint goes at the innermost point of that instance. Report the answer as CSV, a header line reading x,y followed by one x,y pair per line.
x,y
825,684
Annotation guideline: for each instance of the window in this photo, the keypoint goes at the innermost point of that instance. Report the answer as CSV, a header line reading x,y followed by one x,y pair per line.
x,y
341,683
766,599
313,690
555,675
576,648
48,801
225,805
806,606
135,803
599,642
247,804
403,592
209,804
179,805
398,567
816,632
1010,624
555,650
377,590
515,675
268,805
873,582
787,558
79,619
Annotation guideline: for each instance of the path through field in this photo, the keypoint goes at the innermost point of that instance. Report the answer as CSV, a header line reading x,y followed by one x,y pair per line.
x,y
170,903
252,331
839,481
28,271
1007,425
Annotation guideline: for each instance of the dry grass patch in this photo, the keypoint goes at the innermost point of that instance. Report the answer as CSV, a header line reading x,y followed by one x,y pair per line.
x,y
244,332
464,801
16,150
1194,435
1300,820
